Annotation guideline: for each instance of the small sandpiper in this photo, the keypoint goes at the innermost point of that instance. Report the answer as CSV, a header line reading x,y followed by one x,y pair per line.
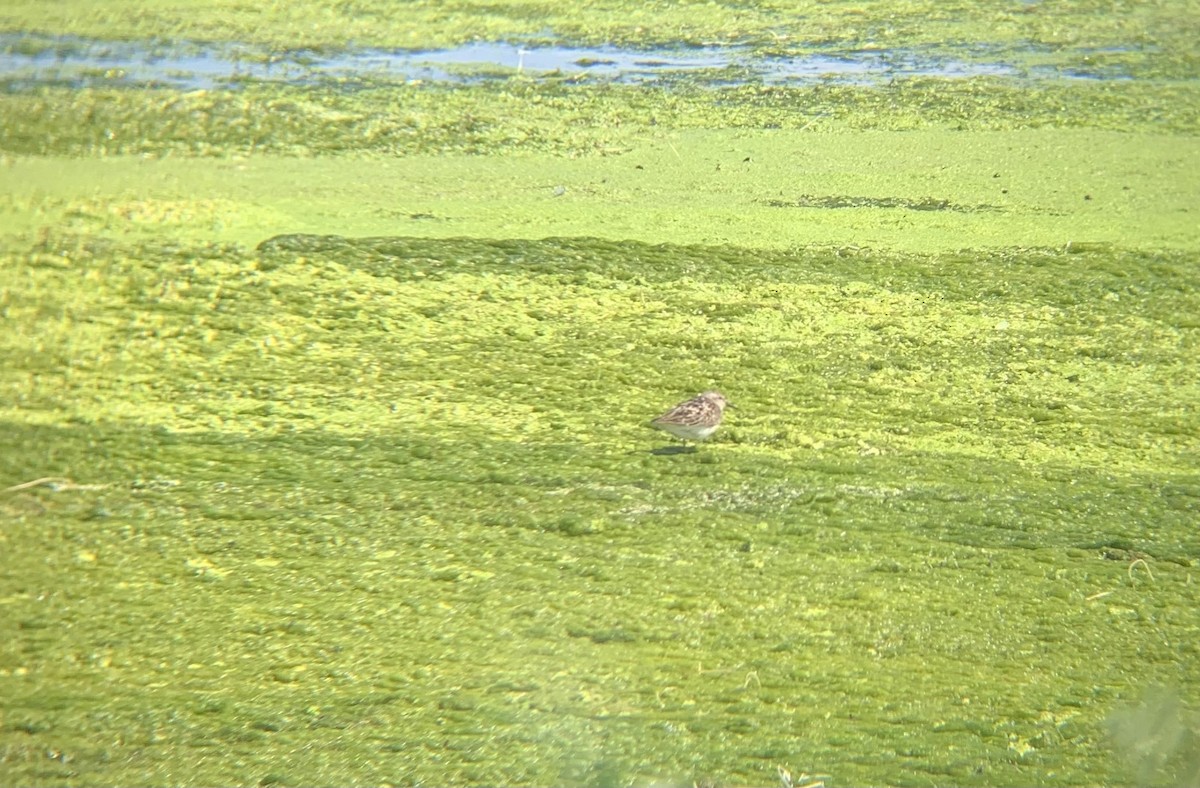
x,y
695,419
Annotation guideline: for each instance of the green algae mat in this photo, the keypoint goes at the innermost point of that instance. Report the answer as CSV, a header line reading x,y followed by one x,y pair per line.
x,y
324,456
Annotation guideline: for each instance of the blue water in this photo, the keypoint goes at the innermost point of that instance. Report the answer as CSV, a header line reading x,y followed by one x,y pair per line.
x,y
28,61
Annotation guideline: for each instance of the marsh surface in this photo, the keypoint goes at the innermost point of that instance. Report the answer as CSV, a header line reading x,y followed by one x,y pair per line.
x,y
324,455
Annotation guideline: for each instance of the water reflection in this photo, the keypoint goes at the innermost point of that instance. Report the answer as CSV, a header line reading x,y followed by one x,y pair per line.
x,y
27,61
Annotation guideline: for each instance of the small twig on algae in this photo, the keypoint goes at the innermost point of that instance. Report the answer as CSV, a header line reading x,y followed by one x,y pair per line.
x,y
55,483
1132,564
1145,566
46,480
803,781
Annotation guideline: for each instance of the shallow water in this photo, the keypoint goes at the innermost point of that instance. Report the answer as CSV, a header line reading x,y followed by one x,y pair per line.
x,y
26,61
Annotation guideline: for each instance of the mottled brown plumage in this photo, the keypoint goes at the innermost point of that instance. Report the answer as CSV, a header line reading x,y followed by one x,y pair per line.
x,y
696,418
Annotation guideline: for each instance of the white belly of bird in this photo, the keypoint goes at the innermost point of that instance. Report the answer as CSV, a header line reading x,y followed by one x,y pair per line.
x,y
692,432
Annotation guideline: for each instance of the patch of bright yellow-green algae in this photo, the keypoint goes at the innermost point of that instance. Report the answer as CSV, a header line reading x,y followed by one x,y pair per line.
x,y
925,191
387,503
385,511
